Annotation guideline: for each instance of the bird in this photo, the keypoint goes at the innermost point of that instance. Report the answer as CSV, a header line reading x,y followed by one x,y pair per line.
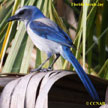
x,y
50,38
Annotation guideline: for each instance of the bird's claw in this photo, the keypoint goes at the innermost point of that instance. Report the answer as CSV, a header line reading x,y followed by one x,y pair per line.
x,y
35,70
45,70
41,69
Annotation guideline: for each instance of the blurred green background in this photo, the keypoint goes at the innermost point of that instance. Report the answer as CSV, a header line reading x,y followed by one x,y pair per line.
x,y
87,26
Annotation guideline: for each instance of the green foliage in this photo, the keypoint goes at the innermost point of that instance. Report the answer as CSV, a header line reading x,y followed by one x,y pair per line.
x,y
92,23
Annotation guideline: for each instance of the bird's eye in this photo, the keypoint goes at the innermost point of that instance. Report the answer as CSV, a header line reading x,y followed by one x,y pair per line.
x,y
21,13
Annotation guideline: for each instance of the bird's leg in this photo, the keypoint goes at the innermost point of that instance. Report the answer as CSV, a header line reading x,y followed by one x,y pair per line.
x,y
51,66
40,67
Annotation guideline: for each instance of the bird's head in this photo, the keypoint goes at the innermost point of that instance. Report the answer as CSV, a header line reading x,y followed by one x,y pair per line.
x,y
26,13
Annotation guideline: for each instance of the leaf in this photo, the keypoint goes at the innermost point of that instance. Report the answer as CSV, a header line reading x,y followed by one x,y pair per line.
x,y
14,49
20,56
84,21
5,43
104,25
27,56
104,70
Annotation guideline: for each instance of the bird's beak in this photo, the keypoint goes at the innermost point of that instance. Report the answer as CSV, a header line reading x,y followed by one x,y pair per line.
x,y
12,18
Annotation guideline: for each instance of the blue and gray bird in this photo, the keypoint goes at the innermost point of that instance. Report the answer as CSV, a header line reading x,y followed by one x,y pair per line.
x,y
50,38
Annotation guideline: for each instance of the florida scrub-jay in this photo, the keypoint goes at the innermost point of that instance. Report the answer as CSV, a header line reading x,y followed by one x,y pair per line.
x,y
50,38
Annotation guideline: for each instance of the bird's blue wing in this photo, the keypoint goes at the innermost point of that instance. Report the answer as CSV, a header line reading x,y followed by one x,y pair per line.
x,y
53,33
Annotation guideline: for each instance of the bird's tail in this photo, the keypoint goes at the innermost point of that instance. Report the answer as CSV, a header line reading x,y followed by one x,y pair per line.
x,y
67,54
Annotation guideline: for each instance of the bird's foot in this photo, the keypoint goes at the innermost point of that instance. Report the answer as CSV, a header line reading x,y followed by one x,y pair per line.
x,y
42,69
50,68
45,70
35,70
